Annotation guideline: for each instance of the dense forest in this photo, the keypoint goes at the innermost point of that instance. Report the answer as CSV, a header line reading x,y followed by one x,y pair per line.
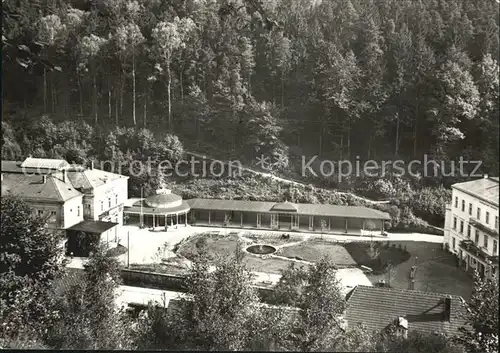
x,y
339,79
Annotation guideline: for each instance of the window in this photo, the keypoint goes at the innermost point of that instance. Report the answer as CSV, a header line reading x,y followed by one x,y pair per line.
x,y
78,211
454,222
477,237
40,213
456,202
470,209
454,243
487,217
495,246
496,222
463,205
461,227
109,202
102,205
53,213
478,214
485,241
468,231
116,199
53,216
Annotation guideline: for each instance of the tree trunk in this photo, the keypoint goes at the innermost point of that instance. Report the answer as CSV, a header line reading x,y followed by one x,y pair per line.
x,y
145,106
415,126
52,94
95,98
133,87
282,89
342,145
44,90
320,140
80,92
181,77
349,143
122,87
397,136
370,140
117,97
109,101
169,85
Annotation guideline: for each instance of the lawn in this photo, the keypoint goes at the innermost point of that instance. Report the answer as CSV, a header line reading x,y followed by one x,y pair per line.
x,y
437,271
377,255
314,250
222,247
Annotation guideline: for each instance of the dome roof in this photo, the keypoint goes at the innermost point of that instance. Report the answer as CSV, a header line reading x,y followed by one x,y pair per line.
x,y
284,207
163,199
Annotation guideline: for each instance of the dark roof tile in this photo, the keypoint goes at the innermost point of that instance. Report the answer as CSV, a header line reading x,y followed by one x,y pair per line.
x,y
377,307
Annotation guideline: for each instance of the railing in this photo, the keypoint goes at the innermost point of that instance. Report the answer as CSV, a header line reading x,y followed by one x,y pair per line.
x,y
474,222
471,247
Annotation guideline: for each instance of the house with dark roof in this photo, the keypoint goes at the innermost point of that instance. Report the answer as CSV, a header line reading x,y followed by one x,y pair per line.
x,y
471,225
378,307
73,198
49,195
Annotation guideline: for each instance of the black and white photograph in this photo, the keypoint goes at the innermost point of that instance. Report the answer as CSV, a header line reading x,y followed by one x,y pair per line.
x,y
250,175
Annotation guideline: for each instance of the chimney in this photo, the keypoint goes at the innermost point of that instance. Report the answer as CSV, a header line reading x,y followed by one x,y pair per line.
x,y
64,175
44,179
91,164
447,308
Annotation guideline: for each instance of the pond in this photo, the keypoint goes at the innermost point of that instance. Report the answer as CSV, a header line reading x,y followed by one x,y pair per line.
x,y
261,249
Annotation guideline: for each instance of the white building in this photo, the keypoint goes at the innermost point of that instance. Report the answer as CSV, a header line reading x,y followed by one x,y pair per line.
x,y
471,225
72,198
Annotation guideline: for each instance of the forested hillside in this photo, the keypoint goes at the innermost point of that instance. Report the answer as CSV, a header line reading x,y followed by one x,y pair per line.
x,y
338,78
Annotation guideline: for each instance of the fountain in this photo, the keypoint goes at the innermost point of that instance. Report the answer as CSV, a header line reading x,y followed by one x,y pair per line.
x,y
261,249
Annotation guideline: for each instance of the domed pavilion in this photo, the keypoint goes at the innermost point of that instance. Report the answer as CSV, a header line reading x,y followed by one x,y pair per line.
x,y
162,209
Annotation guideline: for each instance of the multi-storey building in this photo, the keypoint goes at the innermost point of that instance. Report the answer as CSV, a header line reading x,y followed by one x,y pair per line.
x,y
72,198
471,225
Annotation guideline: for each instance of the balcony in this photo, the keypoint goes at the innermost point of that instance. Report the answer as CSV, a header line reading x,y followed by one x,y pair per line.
x,y
472,248
490,231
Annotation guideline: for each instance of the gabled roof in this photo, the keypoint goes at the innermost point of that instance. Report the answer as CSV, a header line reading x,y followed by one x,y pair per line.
x,y
44,163
302,208
377,307
485,189
33,187
91,178
94,227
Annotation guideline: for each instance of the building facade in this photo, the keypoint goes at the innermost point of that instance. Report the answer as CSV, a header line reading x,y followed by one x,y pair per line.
x,y
471,225
166,209
72,198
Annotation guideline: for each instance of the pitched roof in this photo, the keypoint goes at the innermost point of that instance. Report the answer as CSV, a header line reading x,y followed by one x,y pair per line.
x,y
95,227
44,163
11,167
91,178
377,307
302,208
33,187
485,189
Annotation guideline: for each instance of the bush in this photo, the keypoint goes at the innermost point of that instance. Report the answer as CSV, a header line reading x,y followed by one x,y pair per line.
x,y
119,250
